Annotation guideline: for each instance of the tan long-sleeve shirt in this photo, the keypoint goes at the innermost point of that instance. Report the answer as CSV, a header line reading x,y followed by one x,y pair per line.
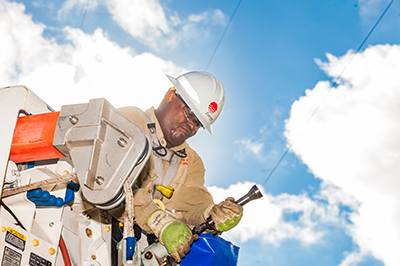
x,y
190,197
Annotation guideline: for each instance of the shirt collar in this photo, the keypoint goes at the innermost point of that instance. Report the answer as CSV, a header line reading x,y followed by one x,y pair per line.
x,y
160,136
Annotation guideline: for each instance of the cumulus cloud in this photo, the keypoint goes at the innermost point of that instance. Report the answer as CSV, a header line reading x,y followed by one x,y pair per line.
x,y
88,66
277,218
143,19
150,22
352,142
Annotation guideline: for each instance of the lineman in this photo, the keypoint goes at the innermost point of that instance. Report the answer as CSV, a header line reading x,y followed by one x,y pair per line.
x,y
175,172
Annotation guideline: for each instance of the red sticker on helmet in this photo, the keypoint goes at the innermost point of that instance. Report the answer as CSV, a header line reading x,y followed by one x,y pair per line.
x,y
212,108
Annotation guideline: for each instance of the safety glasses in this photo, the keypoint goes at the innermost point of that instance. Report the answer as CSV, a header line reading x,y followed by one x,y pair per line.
x,y
190,116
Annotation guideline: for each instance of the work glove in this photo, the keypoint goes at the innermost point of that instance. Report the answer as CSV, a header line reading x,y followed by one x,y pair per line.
x,y
226,215
173,234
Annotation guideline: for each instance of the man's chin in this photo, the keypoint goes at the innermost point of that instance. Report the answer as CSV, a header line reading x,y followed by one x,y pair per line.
x,y
177,139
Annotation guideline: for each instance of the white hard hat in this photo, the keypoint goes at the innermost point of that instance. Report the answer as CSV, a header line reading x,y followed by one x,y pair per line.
x,y
203,93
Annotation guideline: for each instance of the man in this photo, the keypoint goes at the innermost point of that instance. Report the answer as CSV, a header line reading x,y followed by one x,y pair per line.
x,y
175,172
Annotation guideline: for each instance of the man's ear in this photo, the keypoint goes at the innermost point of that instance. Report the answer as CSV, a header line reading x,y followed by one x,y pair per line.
x,y
169,96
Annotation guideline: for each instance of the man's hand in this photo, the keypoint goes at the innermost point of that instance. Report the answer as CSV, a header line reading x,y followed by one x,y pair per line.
x,y
173,234
226,215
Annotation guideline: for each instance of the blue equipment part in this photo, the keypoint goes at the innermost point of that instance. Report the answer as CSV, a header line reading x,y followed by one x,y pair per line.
x,y
38,194
69,196
51,202
211,251
44,199
130,247
73,186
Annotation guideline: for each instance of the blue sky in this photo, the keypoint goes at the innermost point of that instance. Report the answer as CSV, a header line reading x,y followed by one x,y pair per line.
x,y
333,200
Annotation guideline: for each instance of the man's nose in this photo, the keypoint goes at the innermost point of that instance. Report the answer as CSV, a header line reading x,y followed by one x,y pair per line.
x,y
192,125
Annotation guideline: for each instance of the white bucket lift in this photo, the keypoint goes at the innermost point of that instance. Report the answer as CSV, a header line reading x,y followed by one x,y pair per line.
x,y
104,150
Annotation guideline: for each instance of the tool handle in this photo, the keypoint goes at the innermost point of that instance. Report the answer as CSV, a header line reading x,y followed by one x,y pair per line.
x,y
254,193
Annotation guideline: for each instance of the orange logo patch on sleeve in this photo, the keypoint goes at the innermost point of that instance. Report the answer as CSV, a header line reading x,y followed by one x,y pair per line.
x,y
184,161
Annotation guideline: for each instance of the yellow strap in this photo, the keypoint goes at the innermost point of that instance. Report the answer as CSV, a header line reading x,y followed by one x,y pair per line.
x,y
159,203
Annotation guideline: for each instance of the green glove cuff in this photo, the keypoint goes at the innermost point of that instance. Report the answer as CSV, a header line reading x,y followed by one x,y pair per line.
x,y
148,219
229,224
175,234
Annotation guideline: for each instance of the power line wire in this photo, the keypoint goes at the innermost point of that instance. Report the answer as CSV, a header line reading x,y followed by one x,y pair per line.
x,y
223,34
335,83
84,15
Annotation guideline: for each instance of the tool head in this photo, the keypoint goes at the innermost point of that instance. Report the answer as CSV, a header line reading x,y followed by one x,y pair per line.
x,y
253,194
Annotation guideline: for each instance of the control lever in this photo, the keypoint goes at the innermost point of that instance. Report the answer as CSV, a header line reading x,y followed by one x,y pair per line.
x,y
253,194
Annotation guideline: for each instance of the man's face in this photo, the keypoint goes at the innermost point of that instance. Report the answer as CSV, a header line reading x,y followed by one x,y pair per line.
x,y
176,120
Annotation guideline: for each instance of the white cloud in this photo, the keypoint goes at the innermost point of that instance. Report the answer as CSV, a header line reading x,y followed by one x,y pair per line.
x,y
150,23
90,66
143,19
216,17
265,218
352,142
353,259
249,147
85,5
369,8
262,146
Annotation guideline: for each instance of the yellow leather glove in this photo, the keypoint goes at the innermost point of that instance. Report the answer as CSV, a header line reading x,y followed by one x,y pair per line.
x,y
173,234
226,215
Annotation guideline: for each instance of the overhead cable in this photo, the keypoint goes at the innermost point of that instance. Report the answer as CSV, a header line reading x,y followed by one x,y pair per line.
x,y
223,34
335,83
84,15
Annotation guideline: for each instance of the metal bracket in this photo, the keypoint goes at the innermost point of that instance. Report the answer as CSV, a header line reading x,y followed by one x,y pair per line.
x,y
105,149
